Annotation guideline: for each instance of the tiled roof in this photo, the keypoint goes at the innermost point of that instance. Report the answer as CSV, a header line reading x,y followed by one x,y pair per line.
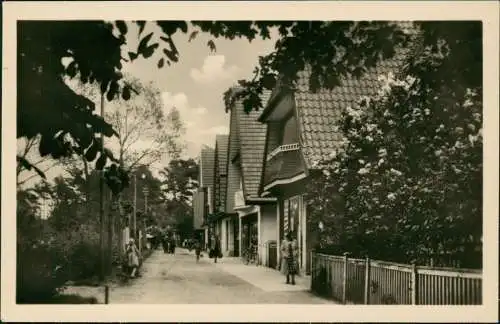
x,y
247,138
319,112
198,208
233,169
252,147
220,179
222,144
207,167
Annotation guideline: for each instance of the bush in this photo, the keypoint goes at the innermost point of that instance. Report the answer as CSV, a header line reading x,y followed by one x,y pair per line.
x,y
39,272
44,266
330,249
85,260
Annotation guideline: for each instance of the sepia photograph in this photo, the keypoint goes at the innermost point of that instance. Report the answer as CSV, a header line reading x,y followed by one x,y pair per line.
x,y
333,162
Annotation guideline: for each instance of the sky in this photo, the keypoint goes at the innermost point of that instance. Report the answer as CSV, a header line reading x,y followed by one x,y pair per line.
x,y
195,84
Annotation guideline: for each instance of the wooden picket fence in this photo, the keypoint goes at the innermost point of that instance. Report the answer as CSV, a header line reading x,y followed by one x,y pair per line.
x,y
365,281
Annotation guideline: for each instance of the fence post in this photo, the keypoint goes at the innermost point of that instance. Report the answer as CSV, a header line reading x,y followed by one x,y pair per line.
x,y
312,269
106,294
344,281
367,281
414,285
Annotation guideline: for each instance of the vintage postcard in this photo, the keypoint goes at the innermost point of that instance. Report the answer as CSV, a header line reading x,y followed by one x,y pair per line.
x,y
250,161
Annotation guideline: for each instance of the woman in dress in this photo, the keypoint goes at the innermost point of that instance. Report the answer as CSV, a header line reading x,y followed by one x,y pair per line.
x,y
289,258
133,257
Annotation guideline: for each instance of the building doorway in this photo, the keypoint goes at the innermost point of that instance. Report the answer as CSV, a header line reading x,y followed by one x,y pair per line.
x,y
249,231
294,221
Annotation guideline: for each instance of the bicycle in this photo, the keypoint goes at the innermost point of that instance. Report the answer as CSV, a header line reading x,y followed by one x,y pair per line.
x,y
250,255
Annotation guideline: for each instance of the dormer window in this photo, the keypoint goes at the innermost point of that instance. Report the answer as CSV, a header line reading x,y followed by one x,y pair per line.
x,y
287,136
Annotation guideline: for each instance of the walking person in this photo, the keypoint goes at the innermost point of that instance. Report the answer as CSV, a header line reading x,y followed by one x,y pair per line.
x,y
289,258
217,253
164,241
133,258
172,245
197,249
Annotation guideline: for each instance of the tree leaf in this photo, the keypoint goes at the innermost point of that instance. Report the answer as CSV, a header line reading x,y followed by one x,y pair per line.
x,y
149,51
161,62
45,146
91,153
126,93
122,26
133,55
170,55
143,44
268,81
113,90
211,45
101,162
193,35
141,24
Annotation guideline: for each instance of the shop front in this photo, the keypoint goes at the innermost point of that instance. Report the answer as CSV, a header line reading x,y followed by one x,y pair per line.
x,y
294,220
249,232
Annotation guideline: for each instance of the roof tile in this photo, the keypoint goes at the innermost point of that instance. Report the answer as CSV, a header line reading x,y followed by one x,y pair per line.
x,y
319,112
252,135
207,167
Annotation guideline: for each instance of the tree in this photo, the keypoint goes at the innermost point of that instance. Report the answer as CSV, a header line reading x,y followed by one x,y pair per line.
x,y
54,244
180,179
178,189
145,133
29,209
69,123
411,157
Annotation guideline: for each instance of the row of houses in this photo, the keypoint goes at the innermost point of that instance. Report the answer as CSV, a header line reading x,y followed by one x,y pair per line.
x,y
253,182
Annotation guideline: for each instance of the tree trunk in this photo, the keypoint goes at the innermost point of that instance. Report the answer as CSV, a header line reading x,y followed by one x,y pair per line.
x,y
110,233
119,227
87,186
119,223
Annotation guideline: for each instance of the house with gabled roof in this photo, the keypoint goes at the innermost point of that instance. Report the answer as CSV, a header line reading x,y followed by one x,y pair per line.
x,y
256,215
220,221
203,198
301,129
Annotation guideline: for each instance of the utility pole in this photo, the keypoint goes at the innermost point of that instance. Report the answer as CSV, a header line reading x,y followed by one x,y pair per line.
x,y
135,205
143,231
146,193
134,216
110,223
101,203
